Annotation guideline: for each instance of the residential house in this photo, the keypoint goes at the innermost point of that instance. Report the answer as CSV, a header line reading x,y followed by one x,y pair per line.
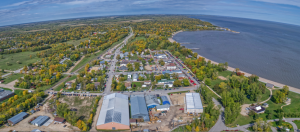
x,y
257,109
147,82
135,77
141,68
123,68
129,75
269,85
169,84
128,85
163,81
171,66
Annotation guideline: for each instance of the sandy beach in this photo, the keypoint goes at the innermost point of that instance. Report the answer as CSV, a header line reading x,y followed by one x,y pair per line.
x,y
293,89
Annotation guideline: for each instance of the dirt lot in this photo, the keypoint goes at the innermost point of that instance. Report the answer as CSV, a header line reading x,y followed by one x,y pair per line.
x,y
25,126
82,104
95,68
166,123
177,99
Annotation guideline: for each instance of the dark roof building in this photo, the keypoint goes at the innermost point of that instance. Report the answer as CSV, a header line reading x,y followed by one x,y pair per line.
x,y
17,118
59,120
257,109
269,85
123,68
138,107
5,94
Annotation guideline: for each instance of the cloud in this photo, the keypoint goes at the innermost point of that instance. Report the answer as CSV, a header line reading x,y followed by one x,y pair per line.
x,y
286,2
76,2
18,4
144,1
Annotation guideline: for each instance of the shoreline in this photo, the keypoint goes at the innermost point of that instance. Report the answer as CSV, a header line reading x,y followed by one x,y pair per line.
x,y
280,85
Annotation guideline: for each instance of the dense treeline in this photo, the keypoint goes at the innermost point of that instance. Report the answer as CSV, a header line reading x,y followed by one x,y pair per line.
x,y
19,103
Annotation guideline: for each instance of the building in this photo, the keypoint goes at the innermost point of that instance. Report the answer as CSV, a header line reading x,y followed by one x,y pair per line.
x,y
133,122
163,107
123,68
141,68
265,105
257,109
171,66
129,75
36,130
138,107
181,76
160,56
269,85
193,103
17,118
128,85
39,121
168,84
151,101
170,72
163,81
135,77
5,94
59,120
108,56
165,100
114,113
147,82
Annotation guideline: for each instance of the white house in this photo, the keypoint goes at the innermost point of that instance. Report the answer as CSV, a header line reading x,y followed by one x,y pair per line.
x,y
129,75
163,107
169,84
171,66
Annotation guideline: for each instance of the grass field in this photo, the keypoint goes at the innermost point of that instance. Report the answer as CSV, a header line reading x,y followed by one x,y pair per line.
x,y
11,78
225,73
77,42
297,122
22,57
49,86
214,82
295,102
18,92
241,120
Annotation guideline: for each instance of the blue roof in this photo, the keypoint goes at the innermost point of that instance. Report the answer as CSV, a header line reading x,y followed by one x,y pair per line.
x,y
17,118
40,120
170,72
165,100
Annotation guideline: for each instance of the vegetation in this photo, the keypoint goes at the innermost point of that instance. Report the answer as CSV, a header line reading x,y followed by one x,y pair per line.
x,y
12,77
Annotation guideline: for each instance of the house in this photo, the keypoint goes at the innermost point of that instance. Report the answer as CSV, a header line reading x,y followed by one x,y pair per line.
x,y
269,85
143,86
59,120
163,81
257,109
160,56
147,82
189,56
123,68
129,75
133,122
126,58
138,107
141,68
171,66
181,76
1,81
128,85
114,113
124,63
169,84
17,118
126,54
5,94
171,71
108,56
121,55
151,101
193,103
102,62
165,100
135,77
265,105
163,107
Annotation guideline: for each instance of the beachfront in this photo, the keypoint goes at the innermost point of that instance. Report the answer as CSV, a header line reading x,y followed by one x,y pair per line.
x,y
293,89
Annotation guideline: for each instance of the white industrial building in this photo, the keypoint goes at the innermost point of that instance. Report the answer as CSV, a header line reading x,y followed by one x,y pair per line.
x,y
114,114
193,103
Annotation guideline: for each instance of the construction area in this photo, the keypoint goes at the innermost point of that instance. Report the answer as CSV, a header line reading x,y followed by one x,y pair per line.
x,y
165,120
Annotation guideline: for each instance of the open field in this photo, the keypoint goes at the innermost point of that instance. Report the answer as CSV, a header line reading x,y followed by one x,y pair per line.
x,y
49,86
22,57
13,77
83,105
225,73
76,42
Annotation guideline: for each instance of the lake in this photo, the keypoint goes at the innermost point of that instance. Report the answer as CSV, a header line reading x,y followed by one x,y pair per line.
x,y
267,49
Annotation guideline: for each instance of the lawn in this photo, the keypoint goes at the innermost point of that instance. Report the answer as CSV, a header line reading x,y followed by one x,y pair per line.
x,y
241,120
11,78
214,82
225,73
18,92
286,124
138,84
180,129
69,79
297,122
264,97
295,102
76,42
22,57
49,86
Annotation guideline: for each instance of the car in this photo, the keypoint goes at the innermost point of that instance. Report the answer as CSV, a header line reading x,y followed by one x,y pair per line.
x,y
169,89
65,125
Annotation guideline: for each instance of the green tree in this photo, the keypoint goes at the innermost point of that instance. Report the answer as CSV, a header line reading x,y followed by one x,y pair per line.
x,y
186,82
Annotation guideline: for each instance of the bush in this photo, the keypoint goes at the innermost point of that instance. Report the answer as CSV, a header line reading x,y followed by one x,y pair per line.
x,y
18,62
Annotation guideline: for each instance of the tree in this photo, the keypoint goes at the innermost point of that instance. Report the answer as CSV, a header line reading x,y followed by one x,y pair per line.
x,y
177,83
208,81
223,86
79,124
285,90
157,78
186,82
118,57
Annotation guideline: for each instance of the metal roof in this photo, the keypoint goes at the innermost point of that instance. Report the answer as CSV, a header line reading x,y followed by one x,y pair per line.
x,y
40,120
193,101
4,93
165,99
138,107
151,100
269,85
135,76
17,118
162,106
114,109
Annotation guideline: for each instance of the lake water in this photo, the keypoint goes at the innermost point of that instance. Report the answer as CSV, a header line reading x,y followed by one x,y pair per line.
x,y
267,49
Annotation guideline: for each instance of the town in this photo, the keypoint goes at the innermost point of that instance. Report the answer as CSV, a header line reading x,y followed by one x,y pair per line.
x,y
129,77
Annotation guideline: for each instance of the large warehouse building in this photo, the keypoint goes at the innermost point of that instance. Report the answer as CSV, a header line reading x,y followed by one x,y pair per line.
x,y
5,94
138,107
193,103
114,114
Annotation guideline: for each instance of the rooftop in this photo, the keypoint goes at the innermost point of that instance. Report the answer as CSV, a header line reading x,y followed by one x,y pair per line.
x,y
193,101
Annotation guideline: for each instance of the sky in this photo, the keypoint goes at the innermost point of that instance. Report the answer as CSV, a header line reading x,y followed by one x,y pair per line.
x,y
26,11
